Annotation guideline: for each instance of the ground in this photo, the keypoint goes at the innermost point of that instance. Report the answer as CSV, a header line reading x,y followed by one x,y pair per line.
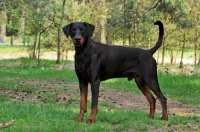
x,y
70,93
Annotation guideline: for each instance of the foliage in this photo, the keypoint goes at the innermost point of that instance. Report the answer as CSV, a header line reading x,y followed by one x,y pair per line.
x,y
123,21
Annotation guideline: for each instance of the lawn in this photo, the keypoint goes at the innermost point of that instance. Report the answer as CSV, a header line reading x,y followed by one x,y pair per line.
x,y
31,96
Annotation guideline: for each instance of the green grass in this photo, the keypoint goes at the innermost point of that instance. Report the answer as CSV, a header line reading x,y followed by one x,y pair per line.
x,y
181,87
32,117
48,115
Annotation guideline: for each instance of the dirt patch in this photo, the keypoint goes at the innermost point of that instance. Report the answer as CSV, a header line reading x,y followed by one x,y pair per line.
x,y
62,92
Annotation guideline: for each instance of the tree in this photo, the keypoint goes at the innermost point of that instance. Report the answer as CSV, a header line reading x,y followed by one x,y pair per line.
x,y
37,24
59,31
175,12
195,13
2,26
12,15
98,15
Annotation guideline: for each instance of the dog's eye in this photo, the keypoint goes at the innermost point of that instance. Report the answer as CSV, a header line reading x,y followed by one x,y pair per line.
x,y
81,29
74,29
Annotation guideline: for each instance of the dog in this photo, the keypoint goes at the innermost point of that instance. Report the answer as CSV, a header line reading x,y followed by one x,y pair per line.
x,y
96,62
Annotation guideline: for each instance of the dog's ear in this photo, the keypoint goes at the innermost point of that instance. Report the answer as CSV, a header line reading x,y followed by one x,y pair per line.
x,y
66,29
90,29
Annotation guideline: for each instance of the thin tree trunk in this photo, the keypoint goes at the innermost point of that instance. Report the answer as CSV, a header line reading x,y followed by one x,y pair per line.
x,y
102,23
124,26
124,37
199,57
11,40
130,39
22,23
59,33
39,46
34,47
133,44
182,53
158,52
195,53
172,55
195,47
3,26
163,53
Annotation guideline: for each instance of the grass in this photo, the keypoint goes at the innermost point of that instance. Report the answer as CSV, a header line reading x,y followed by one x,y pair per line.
x,y
49,115
30,117
13,49
181,87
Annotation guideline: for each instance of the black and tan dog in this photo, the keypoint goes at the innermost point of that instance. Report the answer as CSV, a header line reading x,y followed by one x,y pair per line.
x,y
96,62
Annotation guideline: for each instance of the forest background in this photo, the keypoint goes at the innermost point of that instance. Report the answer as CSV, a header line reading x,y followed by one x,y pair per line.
x,y
38,24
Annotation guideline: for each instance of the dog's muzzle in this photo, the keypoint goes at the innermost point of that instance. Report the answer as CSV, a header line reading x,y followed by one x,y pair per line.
x,y
77,41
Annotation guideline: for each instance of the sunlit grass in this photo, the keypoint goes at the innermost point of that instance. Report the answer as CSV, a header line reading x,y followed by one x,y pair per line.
x,y
12,49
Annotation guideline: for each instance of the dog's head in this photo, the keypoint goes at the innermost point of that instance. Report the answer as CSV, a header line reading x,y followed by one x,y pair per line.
x,y
79,32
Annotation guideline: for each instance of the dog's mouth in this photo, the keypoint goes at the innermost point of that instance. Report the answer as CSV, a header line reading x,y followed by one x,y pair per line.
x,y
77,44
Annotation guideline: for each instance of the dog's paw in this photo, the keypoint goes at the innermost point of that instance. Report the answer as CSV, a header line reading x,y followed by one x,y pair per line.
x,y
91,119
79,119
164,118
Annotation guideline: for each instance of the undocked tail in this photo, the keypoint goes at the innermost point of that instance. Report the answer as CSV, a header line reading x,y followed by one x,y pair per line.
x,y
160,37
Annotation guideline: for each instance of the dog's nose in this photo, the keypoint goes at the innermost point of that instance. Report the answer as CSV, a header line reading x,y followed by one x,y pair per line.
x,y
78,38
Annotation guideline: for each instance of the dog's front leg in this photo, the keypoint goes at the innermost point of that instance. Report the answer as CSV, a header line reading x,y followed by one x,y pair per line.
x,y
83,101
94,107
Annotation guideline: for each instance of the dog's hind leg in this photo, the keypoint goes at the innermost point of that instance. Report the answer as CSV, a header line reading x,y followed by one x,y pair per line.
x,y
146,91
151,79
154,86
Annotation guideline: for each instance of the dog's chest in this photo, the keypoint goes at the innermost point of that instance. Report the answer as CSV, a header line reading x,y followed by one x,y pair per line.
x,y
82,65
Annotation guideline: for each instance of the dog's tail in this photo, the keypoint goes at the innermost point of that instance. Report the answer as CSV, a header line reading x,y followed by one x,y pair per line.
x,y
160,37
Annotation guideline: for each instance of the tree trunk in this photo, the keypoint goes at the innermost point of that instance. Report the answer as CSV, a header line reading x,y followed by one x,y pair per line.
x,y
59,47
198,62
34,47
102,23
124,37
11,40
133,42
3,26
163,53
22,23
39,43
59,34
124,26
172,56
130,39
195,46
182,53
195,53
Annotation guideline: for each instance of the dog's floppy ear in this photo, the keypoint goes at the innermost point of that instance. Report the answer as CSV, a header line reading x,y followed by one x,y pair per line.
x,y
90,29
66,29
